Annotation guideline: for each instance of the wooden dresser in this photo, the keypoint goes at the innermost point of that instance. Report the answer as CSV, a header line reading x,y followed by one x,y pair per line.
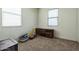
x,y
45,32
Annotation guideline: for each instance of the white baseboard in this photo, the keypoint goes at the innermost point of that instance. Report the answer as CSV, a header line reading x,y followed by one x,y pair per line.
x,y
66,39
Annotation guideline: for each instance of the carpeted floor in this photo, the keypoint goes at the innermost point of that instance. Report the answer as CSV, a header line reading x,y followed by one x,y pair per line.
x,y
46,44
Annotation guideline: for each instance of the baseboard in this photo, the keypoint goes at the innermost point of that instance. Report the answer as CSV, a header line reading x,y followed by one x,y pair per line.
x,y
66,39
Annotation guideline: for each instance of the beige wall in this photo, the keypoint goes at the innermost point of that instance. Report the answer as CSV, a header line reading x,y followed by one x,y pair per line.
x,y
29,18
67,23
78,25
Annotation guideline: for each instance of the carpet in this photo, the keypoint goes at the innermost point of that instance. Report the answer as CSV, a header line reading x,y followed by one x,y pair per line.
x,y
47,44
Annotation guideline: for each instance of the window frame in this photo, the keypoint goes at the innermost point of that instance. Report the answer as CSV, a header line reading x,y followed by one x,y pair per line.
x,y
12,14
53,17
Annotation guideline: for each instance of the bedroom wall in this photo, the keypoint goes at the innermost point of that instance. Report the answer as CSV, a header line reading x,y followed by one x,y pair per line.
x,y
78,26
29,18
66,23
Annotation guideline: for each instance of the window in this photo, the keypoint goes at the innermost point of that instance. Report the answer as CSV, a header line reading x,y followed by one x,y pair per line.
x,y
53,17
11,16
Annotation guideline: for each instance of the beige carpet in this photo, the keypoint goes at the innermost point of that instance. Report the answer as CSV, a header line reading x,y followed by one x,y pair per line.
x,y
46,44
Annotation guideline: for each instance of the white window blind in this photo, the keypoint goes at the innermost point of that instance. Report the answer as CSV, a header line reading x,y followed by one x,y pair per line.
x,y
11,16
53,17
